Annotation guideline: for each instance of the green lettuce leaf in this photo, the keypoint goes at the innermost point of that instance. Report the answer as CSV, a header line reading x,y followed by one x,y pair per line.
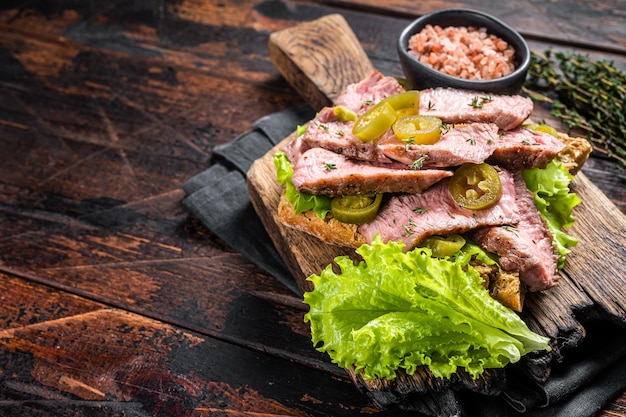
x,y
396,310
555,202
301,202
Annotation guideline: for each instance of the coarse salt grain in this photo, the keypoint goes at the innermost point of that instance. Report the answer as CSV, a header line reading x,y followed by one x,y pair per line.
x,y
465,52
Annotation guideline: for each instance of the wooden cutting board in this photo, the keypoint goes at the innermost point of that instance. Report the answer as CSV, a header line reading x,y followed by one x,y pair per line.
x,y
319,59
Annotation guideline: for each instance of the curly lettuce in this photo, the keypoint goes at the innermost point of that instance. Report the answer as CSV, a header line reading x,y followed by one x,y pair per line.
x,y
395,310
301,202
555,202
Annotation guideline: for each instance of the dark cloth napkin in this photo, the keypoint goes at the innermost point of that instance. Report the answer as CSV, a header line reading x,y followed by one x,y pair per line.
x,y
581,386
219,196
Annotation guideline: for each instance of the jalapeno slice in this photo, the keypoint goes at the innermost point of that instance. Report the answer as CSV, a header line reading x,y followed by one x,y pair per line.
x,y
424,130
356,209
442,246
374,122
542,127
475,186
407,103
404,83
344,114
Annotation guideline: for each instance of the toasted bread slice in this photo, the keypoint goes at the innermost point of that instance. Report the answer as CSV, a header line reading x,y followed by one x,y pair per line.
x,y
575,153
503,286
328,230
507,288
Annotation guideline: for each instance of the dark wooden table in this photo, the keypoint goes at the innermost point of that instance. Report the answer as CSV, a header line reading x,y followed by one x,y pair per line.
x,y
114,299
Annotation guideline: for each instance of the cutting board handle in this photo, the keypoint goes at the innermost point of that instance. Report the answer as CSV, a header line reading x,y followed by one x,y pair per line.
x,y
319,58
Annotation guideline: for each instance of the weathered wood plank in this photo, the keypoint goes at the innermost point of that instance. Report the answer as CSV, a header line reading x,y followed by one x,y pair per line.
x,y
336,55
82,357
142,261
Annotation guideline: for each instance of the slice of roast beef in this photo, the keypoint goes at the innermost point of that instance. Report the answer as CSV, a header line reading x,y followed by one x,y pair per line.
x,y
527,247
319,171
515,149
325,131
411,218
522,148
462,106
360,96
458,144
294,149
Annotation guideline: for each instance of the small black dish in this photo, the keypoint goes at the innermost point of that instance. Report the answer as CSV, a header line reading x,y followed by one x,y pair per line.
x,y
422,76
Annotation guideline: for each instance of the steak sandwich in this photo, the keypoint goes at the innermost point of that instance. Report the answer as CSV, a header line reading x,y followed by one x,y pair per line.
x,y
414,179
455,204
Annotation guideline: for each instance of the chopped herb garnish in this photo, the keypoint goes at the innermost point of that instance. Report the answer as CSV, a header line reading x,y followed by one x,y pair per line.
x,y
418,163
408,230
472,141
511,229
322,126
409,141
340,133
419,210
329,166
445,128
430,106
478,102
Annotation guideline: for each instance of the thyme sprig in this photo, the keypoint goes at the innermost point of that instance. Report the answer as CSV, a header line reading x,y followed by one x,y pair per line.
x,y
587,96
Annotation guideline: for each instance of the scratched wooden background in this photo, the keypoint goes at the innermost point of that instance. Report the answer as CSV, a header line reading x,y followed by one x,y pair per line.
x,y
114,300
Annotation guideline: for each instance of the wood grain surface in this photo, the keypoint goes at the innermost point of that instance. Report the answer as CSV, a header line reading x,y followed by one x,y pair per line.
x,y
326,47
115,300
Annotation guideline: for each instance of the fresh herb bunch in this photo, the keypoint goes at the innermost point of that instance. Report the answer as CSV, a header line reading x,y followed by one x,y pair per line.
x,y
586,95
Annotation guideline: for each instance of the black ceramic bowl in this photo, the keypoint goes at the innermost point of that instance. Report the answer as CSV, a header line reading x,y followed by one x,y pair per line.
x,y
422,76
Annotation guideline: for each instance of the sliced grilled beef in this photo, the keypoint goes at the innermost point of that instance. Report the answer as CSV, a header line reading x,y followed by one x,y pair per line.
x,y
294,149
360,96
459,144
411,218
525,148
462,106
526,248
319,171
474,121
474,142
325,131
